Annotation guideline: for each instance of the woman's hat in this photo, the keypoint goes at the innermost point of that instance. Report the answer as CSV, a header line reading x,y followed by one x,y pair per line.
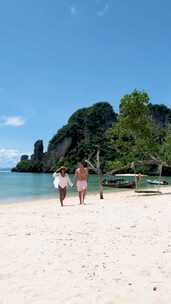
x,y
60,169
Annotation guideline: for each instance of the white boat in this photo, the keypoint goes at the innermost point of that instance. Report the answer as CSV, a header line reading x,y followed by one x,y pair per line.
x,y
156,182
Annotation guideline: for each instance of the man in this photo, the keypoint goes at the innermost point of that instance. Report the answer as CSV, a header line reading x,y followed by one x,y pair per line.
x,y
81,176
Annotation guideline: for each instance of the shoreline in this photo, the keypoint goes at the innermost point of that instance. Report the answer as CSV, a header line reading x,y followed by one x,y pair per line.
x,y
23,200
56,196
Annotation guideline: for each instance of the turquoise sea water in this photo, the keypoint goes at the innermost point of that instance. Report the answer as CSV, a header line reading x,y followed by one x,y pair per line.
x,y
19,186
16,186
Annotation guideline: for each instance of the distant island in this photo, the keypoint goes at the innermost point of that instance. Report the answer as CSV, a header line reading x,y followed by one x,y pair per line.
x,y
140,130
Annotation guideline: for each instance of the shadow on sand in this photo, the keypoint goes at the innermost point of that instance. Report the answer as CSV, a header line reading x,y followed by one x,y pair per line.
x,y
152,193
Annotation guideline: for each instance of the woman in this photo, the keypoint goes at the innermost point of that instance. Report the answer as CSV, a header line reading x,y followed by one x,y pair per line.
x,y
61,181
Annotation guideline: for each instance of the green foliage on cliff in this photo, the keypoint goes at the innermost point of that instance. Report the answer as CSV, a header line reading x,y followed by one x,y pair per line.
x,y
87,127
161,114
167,146
28,166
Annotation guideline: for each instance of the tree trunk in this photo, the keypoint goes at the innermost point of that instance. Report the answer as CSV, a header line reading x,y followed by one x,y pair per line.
x,y
100,185
97,170
99,174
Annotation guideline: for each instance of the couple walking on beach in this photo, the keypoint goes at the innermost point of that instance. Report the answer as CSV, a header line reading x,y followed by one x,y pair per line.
x,y
62,181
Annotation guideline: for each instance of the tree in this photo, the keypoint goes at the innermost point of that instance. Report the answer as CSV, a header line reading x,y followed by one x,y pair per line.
x,y
167,146
134,135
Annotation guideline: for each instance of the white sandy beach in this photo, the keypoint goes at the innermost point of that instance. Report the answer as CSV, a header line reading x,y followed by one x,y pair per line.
x,y
111,251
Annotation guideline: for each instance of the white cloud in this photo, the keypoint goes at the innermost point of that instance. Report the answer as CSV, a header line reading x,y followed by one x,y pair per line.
x,y
14,121
9,157
103,11
73,10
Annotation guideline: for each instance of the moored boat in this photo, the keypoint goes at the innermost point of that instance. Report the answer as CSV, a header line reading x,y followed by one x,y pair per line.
x,y
156,182
115,182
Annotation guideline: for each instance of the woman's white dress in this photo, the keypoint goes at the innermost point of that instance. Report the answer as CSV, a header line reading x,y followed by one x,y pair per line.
x,y
62,181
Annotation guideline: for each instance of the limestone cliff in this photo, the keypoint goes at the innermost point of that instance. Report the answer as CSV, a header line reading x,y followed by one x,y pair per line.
x,y
38,151
72,143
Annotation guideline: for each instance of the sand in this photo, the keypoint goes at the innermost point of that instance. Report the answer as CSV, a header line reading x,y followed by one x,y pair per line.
x,y
111,251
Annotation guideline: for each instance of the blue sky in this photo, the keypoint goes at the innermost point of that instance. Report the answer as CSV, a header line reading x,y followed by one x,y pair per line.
x,y
57,56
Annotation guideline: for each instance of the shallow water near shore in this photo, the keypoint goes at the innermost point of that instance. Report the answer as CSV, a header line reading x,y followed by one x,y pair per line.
x,y
16,186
